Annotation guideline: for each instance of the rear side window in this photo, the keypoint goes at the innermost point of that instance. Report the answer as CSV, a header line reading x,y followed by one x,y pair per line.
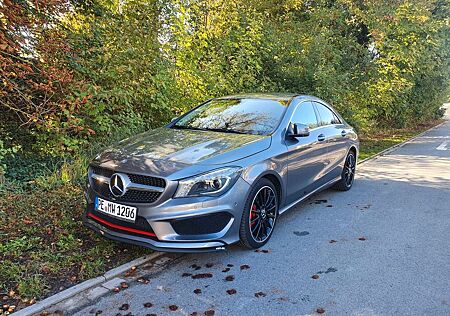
x,y
326,116
305,114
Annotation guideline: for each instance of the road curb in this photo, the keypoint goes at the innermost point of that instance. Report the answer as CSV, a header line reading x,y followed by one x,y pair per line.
x,y
399,145
86,285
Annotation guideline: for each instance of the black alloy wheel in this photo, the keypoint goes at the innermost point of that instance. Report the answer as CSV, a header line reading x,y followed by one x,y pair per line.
x,y
348,173
260,215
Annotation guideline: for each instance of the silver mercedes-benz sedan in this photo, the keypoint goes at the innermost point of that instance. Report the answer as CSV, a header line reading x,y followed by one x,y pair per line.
x,y
221,173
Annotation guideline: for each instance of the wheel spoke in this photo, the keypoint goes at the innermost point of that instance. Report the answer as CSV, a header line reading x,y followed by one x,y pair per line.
x,y
259,229
255,227
270,200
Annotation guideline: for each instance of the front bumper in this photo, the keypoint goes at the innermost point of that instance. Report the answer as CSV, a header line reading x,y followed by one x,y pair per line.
x,y
194,224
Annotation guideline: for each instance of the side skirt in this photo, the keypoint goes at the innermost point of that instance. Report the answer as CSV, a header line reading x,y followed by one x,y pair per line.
x,y
322,187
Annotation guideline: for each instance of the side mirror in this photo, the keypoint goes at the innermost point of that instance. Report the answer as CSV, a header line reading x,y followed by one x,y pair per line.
x,y
173,119
298,130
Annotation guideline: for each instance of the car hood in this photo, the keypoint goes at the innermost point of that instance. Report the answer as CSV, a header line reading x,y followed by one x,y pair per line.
x,y
164,151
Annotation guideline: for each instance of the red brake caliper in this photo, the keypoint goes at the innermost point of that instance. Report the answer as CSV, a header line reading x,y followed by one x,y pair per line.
x,y
252,215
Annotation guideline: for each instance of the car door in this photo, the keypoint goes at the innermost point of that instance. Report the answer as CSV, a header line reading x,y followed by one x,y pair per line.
x,y
335,140
306,154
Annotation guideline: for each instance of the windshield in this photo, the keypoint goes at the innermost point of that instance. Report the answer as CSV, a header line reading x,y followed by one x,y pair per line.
x,y
246,116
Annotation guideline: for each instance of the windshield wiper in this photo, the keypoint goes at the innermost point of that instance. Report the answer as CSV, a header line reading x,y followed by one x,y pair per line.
x,y
224,130
189,127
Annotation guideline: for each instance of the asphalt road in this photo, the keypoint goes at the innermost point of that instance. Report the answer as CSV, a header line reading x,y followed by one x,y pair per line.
x,y
383,248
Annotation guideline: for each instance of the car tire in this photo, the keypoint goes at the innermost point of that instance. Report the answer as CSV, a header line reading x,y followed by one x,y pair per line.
x,y
259,215
348,173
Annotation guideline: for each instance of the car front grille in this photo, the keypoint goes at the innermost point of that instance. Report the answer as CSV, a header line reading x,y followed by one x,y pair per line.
x,y
132,195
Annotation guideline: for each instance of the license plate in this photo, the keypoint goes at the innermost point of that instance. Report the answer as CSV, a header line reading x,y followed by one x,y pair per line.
x,y
121,211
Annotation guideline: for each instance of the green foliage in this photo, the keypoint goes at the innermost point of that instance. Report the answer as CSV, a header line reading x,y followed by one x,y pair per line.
x,y
4,153
43,244
122,67
19,245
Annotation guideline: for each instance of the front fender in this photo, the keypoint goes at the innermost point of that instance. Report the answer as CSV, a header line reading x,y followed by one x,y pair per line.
x,y
269,167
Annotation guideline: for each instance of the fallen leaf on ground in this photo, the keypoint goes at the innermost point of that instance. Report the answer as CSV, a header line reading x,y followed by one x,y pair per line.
x,y
300,234
116,289
332,241
362,238
186,275
320,310
197,291
245,267
210,313
131,271
124,307
209,265
231,291
143,280
202,276
315,276
229,278
260,294
148,305
173,307
226,270
46,270
124,285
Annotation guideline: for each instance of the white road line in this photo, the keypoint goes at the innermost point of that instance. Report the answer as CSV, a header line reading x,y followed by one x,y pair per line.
x,y
443,146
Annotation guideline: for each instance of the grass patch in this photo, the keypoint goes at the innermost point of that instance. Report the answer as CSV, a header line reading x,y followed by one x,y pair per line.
x,y
371,144
44,247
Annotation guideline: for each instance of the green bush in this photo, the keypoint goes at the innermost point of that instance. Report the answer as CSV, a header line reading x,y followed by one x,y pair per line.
x,y
118,68
5,152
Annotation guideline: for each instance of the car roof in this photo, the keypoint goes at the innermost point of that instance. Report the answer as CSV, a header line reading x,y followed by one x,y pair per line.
x,y
263,96
271,96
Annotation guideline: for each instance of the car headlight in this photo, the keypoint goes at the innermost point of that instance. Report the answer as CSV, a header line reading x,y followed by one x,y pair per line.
x,y
212,183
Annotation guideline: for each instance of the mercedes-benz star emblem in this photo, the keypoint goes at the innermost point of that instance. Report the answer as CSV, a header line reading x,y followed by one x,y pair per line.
x,y
118,184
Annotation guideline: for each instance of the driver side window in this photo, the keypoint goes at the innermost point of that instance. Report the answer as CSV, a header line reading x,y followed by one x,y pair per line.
x,y
305,114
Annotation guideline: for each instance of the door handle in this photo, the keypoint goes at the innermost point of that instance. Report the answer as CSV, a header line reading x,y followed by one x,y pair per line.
x,y
344,133
321,137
